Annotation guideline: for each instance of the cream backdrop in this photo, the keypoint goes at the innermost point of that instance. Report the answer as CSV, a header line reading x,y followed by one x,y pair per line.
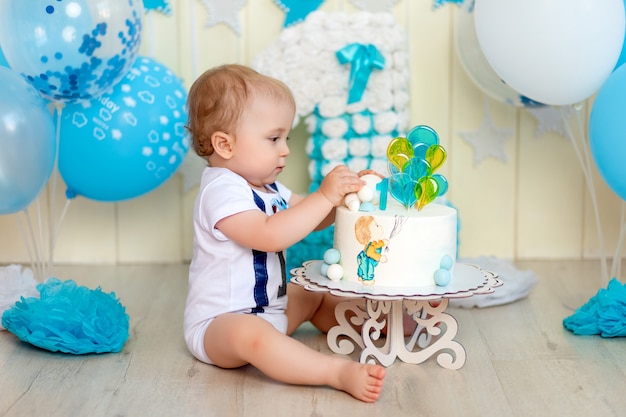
x,y
533,205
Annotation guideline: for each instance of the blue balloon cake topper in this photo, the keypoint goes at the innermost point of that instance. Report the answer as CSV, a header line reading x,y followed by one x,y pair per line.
x,y
413,162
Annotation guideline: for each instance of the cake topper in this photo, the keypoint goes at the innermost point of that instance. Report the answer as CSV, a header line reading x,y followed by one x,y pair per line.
x,y
412,164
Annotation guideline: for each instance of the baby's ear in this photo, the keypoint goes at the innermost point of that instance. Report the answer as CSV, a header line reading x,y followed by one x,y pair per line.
x,y
223,144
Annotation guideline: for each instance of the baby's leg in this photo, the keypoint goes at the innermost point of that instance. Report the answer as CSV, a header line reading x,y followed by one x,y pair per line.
x,y
316,307
233,340
319,309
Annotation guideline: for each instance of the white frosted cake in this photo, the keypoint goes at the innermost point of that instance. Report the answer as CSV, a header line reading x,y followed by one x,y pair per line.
x,y
391,233
396,247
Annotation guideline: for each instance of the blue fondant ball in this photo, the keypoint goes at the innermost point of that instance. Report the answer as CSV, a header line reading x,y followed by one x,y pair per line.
x,y
324,269
446,262
442,277
332,256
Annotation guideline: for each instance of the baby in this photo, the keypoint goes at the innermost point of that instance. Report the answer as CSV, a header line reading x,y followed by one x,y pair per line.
x,y
240,309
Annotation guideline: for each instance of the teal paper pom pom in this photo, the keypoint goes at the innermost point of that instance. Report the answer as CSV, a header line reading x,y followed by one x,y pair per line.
x,y
604,314
70,319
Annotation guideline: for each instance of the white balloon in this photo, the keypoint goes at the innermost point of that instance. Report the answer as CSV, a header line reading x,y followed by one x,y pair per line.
x,y
556,52
477,67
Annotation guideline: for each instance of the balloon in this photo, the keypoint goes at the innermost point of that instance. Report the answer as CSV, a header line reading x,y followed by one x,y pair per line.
x,y
27,142
399,152
436,156
556,52
402,188
423,134
607,131
622,55
126,143
426,190
3,60
413,182
477,67
71,50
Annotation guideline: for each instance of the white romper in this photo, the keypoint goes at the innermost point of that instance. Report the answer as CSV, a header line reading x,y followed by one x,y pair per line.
x,y
225,277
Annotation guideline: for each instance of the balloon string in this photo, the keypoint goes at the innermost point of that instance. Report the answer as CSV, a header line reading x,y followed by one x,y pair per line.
x,y
57,227
38,268
27,243
42,243
617,257
52,227
585,164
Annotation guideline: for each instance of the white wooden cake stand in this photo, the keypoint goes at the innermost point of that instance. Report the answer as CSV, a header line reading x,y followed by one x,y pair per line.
x,y
379,310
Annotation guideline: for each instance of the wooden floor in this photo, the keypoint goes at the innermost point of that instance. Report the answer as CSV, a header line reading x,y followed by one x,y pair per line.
x,y
520,362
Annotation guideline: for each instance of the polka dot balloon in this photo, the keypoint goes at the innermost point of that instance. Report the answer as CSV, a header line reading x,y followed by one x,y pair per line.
x,y
126,142
71,50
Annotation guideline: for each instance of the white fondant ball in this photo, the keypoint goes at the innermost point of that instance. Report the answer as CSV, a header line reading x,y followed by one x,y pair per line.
x,y
352,201
334,272
371,180
365,193
332,256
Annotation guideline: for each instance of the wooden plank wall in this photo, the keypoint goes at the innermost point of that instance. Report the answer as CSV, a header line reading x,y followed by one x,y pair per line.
x,y
533,206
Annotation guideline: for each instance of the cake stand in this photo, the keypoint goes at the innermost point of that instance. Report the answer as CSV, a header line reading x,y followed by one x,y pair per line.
x,y
371,318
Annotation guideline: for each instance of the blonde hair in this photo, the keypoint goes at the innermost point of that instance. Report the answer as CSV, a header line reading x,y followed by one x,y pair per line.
x,y
362,229
218,98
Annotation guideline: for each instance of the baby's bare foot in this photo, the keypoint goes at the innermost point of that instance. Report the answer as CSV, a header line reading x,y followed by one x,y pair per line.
x,y
363,381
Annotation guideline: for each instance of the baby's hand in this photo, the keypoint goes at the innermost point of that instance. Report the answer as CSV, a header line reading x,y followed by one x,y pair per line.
x,y
339,182
369,172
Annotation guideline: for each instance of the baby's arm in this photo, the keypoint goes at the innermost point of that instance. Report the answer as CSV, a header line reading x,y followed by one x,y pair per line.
x,y
257,230
328,220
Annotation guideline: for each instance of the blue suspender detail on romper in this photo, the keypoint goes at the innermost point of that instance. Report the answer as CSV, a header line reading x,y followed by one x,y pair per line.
x,y
260,263
260,269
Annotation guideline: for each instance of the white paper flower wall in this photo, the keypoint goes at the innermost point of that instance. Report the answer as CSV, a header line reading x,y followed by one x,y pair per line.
x,y
305,58
349,74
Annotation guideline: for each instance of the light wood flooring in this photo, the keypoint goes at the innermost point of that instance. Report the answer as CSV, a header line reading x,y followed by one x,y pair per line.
x,y
520,362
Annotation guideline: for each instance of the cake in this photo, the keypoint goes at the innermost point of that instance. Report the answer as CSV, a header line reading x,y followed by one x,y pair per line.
x,y
392,233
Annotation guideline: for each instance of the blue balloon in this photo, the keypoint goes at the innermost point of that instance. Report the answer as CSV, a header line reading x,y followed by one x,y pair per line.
x,y
125,143
3,60
27,142
71,50
607,131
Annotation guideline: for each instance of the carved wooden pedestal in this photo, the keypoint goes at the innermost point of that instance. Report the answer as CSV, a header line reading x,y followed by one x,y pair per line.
x,y
373,322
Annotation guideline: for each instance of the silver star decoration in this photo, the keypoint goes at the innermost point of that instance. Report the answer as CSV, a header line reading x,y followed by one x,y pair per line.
x,y
551,119
488,139
224,11
374,5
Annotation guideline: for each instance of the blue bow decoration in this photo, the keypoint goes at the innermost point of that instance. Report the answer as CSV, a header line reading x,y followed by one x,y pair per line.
x,y
162,6
297,10
364,59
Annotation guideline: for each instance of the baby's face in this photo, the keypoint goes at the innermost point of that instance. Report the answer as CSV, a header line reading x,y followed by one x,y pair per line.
x,y
261,150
